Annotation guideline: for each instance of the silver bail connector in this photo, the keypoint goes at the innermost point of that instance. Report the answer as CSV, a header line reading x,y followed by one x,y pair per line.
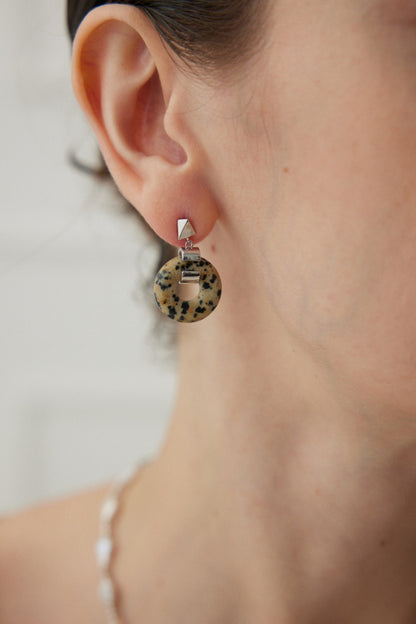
x,y
189,252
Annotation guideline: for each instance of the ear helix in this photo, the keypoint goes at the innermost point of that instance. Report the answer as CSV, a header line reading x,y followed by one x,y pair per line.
x,y
188,267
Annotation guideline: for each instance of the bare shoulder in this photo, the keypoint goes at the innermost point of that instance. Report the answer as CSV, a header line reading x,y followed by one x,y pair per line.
x,y
47,566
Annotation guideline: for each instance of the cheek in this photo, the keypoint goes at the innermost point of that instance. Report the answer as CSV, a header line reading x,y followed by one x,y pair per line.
x,y
349,295
340,238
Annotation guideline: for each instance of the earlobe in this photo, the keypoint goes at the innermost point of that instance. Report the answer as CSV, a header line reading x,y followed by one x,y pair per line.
x,y
122,78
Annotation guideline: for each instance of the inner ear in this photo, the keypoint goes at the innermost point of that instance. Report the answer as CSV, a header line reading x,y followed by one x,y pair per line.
x,y
147,125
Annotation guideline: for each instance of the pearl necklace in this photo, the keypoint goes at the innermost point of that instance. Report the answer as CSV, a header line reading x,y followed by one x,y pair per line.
x,y
104,547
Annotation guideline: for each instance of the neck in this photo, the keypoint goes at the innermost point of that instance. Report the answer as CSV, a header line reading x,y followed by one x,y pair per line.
x,y
309,491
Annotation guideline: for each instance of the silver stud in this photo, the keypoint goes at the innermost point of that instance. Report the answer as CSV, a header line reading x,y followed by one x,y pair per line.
x,y
185,229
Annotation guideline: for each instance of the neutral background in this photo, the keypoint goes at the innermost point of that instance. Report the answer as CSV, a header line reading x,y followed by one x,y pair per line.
x,y
84,387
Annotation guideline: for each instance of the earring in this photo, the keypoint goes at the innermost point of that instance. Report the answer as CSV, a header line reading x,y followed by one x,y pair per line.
x,y
187,268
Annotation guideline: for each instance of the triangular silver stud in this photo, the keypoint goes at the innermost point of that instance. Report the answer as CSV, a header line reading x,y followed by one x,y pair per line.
x,y
185,229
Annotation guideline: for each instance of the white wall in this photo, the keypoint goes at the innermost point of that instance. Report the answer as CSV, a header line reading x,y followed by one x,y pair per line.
x,y
81,391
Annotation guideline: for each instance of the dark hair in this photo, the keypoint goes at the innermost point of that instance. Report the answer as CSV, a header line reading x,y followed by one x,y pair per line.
x,y
203,33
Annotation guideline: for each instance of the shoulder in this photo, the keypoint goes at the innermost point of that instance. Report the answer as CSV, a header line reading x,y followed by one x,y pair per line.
x,y
47,565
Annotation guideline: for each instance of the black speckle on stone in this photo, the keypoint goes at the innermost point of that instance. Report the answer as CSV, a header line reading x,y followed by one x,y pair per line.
x,y
177,267
211,303
195,315
165,286
206,285
200,310
213,278
184,307
219,293
176,298
172,312
182,318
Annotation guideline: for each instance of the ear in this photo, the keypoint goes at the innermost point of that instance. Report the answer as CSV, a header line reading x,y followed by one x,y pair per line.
x,y
127,83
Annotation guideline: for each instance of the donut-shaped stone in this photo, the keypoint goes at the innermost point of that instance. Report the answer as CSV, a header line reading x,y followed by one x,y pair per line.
x,y
196,309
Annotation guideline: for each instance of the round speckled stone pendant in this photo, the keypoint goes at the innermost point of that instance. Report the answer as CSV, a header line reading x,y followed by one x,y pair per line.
x,y
187,268
196,309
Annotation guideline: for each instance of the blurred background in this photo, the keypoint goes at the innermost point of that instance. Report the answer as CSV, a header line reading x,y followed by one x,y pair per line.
x,y
85,386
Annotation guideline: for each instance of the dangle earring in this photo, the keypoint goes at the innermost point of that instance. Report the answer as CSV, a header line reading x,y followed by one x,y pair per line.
x,y
187,268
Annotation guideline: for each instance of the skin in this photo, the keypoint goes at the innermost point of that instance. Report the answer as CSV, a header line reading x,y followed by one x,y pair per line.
x,y
285,490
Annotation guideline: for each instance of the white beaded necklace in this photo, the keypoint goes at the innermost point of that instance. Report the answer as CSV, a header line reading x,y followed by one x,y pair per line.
x,y
104,546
